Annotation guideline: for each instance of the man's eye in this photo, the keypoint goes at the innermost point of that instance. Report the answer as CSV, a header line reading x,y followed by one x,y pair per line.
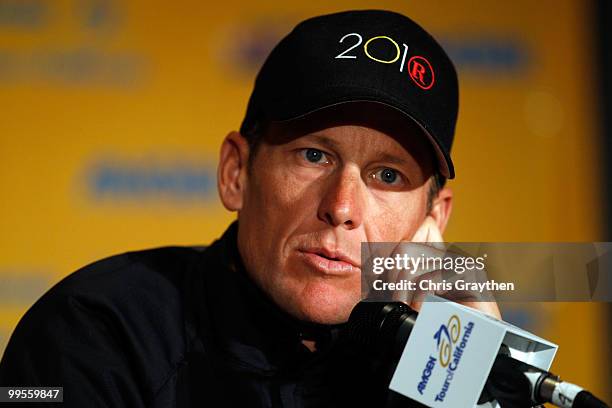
x,y
315,156
388,176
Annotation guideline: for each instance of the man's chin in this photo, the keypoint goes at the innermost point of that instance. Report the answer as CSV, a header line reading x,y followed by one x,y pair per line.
x,y
323,306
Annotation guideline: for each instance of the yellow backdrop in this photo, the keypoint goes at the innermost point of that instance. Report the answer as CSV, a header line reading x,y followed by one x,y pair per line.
x,y
113,113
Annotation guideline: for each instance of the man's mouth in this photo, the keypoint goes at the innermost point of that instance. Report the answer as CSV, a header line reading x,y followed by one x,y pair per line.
x,y
329,262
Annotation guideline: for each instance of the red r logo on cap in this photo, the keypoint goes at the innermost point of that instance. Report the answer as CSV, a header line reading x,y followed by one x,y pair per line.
x,y
421,72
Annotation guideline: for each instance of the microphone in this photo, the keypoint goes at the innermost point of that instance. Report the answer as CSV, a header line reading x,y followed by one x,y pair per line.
x,y
544,386
473,363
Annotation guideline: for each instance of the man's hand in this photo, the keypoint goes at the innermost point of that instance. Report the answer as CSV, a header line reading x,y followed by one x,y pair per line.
x,y
428,233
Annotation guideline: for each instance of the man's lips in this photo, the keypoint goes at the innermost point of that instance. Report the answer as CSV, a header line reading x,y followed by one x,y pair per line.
x,y
329,262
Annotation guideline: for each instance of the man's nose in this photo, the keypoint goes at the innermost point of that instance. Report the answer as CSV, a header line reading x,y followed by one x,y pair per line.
x,y
343,201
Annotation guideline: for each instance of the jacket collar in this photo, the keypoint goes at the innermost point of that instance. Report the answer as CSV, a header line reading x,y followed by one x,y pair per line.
x,y
247,326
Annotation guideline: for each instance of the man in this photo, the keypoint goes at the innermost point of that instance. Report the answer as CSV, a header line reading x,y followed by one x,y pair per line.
x,y
346,140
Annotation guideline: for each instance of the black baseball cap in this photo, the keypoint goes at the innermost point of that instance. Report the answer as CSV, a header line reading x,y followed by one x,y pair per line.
x,y
363,55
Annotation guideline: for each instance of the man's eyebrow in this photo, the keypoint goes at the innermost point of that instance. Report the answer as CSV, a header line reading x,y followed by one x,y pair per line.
x,y
389,158
382,156
325,141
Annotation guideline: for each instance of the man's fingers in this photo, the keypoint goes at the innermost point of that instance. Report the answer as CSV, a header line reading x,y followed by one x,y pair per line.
x,y
430,233
421,234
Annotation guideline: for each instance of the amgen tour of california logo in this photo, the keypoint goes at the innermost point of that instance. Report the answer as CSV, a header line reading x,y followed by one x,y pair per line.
x,y
446,337
450,350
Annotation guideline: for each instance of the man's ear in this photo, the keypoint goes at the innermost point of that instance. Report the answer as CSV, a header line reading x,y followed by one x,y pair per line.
x,y
441,208
232,171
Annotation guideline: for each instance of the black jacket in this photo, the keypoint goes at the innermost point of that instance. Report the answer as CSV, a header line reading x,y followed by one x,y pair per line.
x,y
181,327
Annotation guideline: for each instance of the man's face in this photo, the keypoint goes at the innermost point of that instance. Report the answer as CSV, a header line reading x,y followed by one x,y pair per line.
x,y
316,189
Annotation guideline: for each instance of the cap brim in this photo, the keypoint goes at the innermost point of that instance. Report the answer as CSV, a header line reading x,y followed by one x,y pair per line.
x,y
445,164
